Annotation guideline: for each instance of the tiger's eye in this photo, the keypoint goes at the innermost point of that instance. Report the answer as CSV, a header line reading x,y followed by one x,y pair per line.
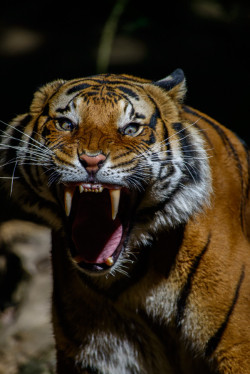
x,y
132,129
65,124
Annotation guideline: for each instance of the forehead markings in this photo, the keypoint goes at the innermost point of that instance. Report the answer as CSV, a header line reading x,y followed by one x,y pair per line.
x,y
96,93
106,90
123,86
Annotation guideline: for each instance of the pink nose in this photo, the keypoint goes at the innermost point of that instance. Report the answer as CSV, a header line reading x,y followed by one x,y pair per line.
x,y
92,163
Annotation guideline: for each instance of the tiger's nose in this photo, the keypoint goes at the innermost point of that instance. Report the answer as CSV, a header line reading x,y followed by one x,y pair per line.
x,y
92,163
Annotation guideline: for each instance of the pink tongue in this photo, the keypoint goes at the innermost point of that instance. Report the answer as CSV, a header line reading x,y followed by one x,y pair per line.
x,y
95,235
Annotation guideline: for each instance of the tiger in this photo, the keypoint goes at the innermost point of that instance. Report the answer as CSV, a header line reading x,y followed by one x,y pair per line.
x,y
147,199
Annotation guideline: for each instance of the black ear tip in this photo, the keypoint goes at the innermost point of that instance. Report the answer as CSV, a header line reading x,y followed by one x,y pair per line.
x,y
175,78
178,73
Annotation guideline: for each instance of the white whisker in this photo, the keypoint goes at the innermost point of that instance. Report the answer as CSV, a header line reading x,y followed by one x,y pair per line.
x,y
12,179
41,148
40,145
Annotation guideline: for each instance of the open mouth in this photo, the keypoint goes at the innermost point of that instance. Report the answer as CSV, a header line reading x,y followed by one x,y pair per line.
x,y
99,221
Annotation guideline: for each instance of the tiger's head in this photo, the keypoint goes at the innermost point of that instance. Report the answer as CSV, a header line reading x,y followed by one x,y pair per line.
x,y
109,160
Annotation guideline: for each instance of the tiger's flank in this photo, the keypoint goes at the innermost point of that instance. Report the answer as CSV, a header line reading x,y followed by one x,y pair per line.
x,y
148,204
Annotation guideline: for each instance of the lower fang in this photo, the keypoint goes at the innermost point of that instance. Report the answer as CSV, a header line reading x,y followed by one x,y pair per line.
x,y
109,261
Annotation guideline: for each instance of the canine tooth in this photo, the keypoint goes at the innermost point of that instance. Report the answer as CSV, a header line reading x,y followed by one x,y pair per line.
x,y
68,196
81,189
115,199
109,261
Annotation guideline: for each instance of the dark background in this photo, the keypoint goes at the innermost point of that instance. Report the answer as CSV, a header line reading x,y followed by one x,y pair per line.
x,y
209,40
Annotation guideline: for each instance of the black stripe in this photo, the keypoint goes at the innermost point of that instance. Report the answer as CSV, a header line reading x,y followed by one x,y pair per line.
x,y
93,92
166,178
67,107
183,135
186,290
120,80
216,127
128,91
122,155
152,124
46,107
77,88
231,151
248,179
168,162
216,338
248,164
244,200
151,140
45,133
35,129
63,110
154,118
139,116
46,110
191,168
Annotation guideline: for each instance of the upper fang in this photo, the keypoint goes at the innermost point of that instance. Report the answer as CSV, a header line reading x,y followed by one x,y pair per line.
x,y
68,196
115,199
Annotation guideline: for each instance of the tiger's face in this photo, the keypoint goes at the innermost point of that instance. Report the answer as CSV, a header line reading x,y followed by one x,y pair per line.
x,y
114,152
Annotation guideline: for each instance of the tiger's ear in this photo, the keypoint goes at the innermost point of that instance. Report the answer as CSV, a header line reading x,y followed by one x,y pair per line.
x,y
43,94
175,84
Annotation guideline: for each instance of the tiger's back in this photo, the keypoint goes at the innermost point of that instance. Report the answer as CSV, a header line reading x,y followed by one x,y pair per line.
x,y
158,281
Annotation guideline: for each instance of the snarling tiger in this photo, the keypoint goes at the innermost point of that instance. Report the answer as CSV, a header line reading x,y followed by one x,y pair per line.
x,y
148,201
